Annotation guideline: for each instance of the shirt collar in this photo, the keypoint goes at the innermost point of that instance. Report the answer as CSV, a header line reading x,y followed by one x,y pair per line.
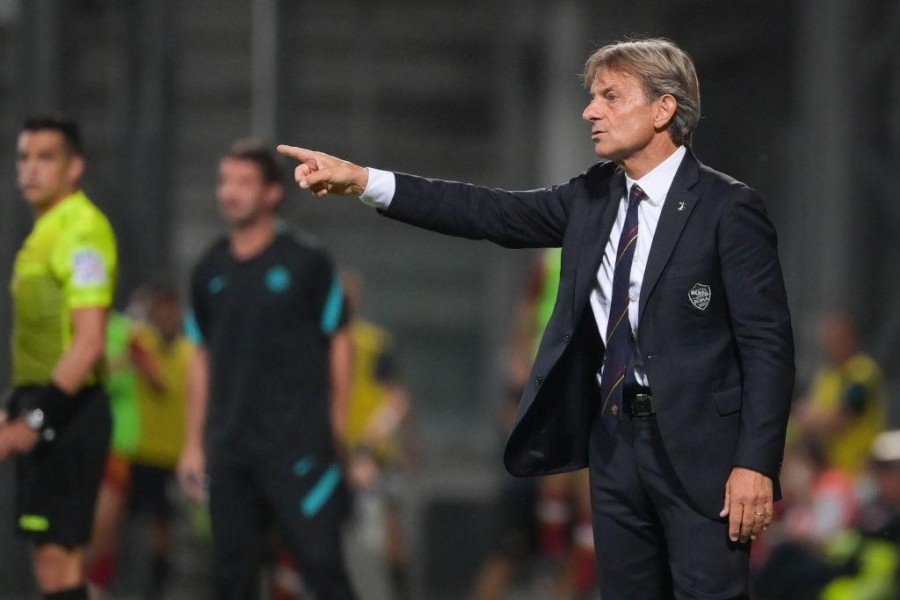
x,y
657,182
76,196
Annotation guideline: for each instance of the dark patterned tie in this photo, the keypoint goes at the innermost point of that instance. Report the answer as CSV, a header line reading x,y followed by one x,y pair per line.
x,y
618,370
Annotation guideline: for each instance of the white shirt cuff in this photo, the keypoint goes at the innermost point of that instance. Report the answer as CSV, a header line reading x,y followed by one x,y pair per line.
x,y
380,189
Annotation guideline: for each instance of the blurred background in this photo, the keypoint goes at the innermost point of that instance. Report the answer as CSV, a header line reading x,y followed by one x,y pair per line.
x,y
799,98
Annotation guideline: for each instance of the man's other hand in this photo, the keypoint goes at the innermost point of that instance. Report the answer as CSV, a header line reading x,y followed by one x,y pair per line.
x,y
192,473
748,504
16,437
323,174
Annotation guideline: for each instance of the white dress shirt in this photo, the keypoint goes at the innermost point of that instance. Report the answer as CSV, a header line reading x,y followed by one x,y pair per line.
x,y
656,186
382,184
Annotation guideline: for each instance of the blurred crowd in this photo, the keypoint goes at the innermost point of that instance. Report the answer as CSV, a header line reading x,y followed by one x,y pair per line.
x,y
838,532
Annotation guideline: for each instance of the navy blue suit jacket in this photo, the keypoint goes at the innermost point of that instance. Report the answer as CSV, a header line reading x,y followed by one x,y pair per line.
x,y
714,331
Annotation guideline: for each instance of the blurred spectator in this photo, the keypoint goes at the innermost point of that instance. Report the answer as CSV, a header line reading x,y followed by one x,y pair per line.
x,y
165,353
379,407
866,560
830,444
846,407
855,563
533,313
147,359
820,501
121,385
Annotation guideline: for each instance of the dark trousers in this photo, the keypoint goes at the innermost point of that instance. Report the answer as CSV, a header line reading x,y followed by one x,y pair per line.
x,y
248,500
651,542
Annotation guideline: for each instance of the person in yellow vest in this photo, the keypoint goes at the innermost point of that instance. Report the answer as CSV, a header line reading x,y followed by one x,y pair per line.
x,y
846,408
58,421
101,554
866,560
379,407
861,560
162,404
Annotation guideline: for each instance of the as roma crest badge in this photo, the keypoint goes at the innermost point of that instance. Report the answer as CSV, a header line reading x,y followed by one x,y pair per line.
x,y
700,295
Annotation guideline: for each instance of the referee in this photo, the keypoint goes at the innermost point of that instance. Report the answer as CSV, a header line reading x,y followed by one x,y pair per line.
x,y
58,423
268,390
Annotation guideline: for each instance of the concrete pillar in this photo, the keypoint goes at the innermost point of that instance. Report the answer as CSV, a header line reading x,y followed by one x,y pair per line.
x,y
148,174
819,244
265,36
564,143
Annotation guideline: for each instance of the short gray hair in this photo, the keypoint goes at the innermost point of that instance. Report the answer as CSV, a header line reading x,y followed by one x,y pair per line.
x,y
662,68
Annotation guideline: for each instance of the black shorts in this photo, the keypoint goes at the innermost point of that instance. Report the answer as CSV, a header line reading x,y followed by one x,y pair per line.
x,y
151,490
57,481
303,498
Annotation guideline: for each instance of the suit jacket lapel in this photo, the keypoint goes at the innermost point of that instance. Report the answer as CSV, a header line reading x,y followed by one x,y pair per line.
x,y
594,237
679,204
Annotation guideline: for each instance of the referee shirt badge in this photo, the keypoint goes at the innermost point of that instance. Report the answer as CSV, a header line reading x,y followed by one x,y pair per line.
x,y
88,268
700,295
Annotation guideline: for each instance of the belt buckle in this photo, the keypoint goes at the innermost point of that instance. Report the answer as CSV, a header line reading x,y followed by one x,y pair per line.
x,y
641,405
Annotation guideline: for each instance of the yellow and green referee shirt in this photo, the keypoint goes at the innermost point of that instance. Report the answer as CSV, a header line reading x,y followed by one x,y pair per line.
x,y
68,261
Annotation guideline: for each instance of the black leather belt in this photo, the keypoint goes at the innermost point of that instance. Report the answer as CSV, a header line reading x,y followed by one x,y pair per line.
x,y
639,405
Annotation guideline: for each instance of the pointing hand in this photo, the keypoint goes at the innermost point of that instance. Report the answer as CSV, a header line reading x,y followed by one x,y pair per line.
x,y
323,174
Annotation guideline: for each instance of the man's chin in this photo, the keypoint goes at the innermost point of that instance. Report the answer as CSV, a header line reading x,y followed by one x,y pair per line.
x,y
241,221
615,155
603,150
36,201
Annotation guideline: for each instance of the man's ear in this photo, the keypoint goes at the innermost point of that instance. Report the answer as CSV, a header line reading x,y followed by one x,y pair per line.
x,y
274,194
666,105
76,170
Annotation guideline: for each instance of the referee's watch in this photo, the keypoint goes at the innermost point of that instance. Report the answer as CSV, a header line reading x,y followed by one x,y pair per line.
x,y
35,420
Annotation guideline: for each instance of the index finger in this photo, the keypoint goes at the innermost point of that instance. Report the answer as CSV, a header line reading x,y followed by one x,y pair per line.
x,y
300,154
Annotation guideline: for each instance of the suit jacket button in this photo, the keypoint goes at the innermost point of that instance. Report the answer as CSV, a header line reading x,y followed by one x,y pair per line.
x,y
567,337
538,380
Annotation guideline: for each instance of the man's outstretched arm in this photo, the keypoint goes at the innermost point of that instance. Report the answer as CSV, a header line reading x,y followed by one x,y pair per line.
x,y
536,218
